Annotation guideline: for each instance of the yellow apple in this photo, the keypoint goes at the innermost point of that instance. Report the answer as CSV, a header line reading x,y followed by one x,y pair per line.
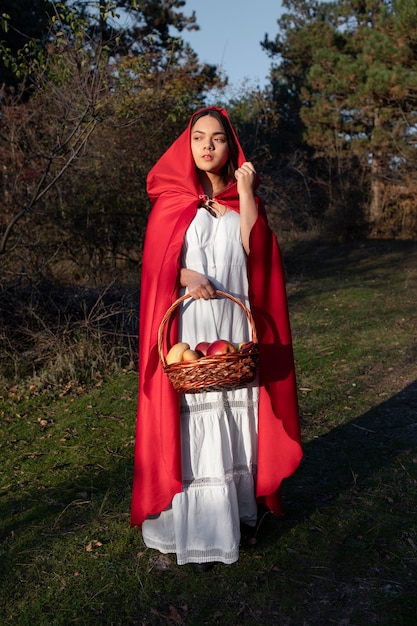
x,y
190,355
175,353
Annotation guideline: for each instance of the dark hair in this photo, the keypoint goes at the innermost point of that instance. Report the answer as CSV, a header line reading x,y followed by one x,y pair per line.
x,y
231,166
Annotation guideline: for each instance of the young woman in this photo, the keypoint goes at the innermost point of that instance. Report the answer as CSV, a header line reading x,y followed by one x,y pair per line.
x,y
205,461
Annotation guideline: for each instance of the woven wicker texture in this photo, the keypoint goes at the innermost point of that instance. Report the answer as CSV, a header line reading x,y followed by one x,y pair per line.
x,y
211,373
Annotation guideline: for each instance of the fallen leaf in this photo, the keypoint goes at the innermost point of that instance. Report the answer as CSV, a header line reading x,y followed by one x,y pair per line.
x,y
93,544
174,615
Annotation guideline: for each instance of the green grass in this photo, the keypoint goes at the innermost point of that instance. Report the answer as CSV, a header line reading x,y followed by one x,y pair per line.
x,y
346,551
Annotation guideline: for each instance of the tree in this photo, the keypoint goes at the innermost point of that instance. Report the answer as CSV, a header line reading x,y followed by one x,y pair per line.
x,y
145,22
144,28
362,93
294,45
26,21
63,184
356,66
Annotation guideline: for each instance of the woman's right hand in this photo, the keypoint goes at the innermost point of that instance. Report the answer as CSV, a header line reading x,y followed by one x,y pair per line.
x,y
197,284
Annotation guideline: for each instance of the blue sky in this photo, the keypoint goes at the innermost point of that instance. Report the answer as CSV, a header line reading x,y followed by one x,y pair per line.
x,y
230,35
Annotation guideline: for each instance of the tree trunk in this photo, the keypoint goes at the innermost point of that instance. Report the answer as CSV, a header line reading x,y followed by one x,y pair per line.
x,y
376,203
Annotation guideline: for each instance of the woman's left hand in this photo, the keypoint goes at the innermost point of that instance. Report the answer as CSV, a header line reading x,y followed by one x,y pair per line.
x,y
245,176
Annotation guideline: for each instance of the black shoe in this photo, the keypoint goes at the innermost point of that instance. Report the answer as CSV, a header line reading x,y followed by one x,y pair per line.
x,y
198,568
247,535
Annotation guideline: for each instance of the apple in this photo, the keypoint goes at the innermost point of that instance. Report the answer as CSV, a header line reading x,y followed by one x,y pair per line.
x,y
245,346
201,347
175,353
190,355
220,346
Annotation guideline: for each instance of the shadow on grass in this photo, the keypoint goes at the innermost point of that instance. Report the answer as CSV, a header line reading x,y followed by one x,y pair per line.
x,y
76,512
352,452
91,502
317,259
66,552
355,449
332,463
70,510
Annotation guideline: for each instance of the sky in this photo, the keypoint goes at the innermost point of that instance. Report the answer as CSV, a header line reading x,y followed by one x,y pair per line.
x,y
230,35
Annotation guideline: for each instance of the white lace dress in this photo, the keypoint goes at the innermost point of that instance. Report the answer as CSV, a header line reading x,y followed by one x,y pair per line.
x,y
218,429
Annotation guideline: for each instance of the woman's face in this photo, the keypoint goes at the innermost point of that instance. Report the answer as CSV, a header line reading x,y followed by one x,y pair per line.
x,y
209,145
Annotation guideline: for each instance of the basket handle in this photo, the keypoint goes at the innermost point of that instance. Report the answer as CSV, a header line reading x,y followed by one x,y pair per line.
x,y
175,304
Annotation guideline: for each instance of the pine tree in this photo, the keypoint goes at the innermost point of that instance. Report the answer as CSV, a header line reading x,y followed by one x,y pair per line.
x,y
353,65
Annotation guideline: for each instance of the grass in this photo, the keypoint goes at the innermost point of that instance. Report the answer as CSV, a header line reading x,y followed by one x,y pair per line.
x,y
345,553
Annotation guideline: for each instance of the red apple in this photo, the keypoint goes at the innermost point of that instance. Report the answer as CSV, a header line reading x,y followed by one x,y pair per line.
x,y
220,346
247,345
201,347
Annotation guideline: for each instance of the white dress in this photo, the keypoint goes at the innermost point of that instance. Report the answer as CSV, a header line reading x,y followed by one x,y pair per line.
x,y
218,429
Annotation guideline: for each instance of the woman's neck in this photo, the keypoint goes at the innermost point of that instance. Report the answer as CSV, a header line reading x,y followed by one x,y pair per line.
x,y
212,185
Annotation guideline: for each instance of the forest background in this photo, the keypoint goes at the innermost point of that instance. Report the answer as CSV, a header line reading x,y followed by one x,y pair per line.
x,y
87,107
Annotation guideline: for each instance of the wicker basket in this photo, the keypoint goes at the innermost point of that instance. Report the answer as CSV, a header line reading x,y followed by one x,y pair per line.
x,y
211,373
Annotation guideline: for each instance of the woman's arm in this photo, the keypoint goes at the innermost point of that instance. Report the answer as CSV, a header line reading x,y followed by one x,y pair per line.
x,y
246,176
198,285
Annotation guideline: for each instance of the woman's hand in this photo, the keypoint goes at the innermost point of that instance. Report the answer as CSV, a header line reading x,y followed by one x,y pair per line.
x,y
197,284
245,176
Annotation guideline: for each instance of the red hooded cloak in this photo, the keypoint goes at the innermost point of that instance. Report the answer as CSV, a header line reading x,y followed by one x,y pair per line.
x,y
174,189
